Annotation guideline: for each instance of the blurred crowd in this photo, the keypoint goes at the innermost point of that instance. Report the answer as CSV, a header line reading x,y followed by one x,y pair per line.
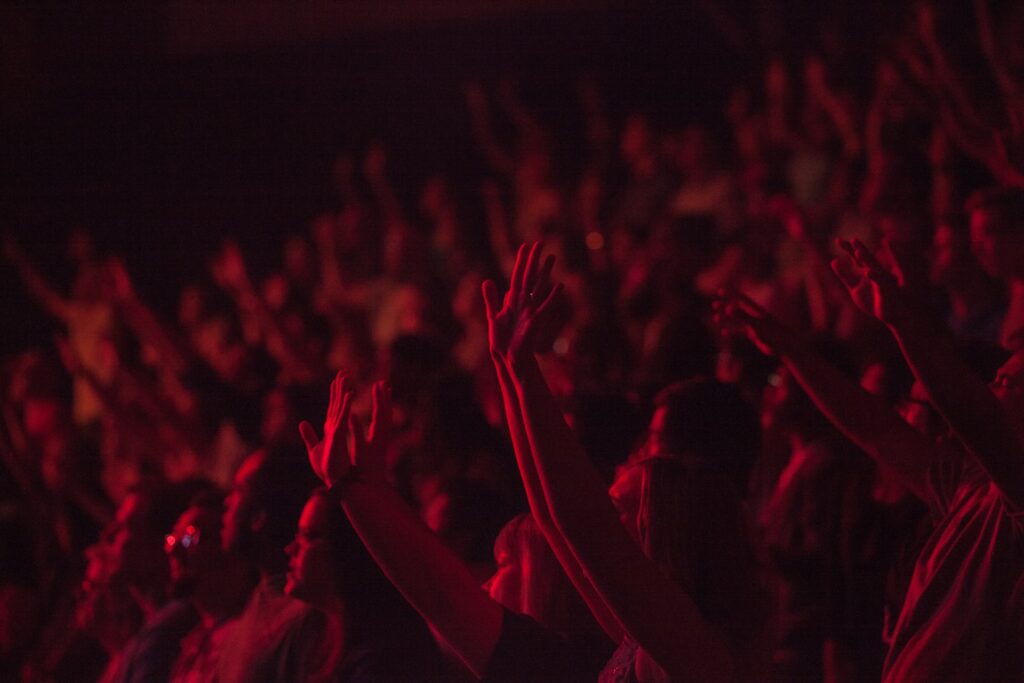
x,y
839,263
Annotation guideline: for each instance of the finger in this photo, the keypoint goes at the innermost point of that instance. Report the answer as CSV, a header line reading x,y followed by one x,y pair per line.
x,y
346,407
309,437
748,305
532,265
359,437
845,272
847,246
550,299
542,287
381,424
873,267
492,299
335,401
518,271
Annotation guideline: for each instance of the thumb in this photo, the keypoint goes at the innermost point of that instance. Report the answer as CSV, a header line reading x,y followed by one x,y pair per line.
x,y
309,437
845,273
492,300
308,434
359,435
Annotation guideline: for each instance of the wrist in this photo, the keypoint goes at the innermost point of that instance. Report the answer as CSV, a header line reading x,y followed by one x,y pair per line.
x,y
337,489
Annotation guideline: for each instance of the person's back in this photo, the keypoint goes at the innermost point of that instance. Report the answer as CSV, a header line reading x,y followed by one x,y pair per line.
x,y
957,621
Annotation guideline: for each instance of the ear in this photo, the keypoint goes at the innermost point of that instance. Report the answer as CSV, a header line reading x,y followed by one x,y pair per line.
x,y
258,521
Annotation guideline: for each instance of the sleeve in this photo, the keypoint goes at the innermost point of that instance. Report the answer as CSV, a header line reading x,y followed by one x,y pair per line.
x,y
945,474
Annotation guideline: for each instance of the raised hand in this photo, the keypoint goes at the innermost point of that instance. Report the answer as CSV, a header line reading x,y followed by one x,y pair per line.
x,y
514,324
870,285
120,282
228,267
736,313
369,454
330,458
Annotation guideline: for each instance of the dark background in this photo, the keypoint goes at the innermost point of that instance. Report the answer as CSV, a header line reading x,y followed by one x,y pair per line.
x,y
162,128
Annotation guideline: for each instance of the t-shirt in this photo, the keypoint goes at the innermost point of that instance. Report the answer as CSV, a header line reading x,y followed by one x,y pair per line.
x,y
274,641
527,651
957,621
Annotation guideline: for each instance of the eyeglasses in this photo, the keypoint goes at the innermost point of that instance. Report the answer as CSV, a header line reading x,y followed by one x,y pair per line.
x,y
183,542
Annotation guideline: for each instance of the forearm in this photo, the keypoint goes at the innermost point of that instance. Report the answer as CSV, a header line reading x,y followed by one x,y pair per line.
x,y
652,609
427,573
572,487
867,420
539,507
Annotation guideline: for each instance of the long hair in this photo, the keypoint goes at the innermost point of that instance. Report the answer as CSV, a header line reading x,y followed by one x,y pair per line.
x,y
692,519
693,526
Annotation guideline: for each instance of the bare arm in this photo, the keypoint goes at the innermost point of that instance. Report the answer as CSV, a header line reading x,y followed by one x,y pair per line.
x,y
34,282
427,573
652,609
498,318
973,412
230,273
146,325
864,418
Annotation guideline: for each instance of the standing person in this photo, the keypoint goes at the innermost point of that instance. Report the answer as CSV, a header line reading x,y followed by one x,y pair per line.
x,y
519,627
216,584
669,577
959,619
124,596
276,637
371,634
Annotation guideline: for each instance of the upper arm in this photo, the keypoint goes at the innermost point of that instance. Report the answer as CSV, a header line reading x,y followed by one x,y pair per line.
x,y
657,613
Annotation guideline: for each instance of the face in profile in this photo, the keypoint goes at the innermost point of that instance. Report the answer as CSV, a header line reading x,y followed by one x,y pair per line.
x,y
312,565
193,547
507,586
998,247
126,557
1008,386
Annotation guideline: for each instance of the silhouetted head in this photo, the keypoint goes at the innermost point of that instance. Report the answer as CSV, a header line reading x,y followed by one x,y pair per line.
x,y
529,580
269,492
997,230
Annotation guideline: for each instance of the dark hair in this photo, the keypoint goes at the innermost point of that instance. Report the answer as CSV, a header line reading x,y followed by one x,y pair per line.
x,y
279,487
692,525
163,502
711,421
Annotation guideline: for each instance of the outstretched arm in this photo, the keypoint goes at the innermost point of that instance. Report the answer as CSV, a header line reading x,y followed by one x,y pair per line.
x,y
37,285
864,418
652,609
427,573
972,410
500,315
